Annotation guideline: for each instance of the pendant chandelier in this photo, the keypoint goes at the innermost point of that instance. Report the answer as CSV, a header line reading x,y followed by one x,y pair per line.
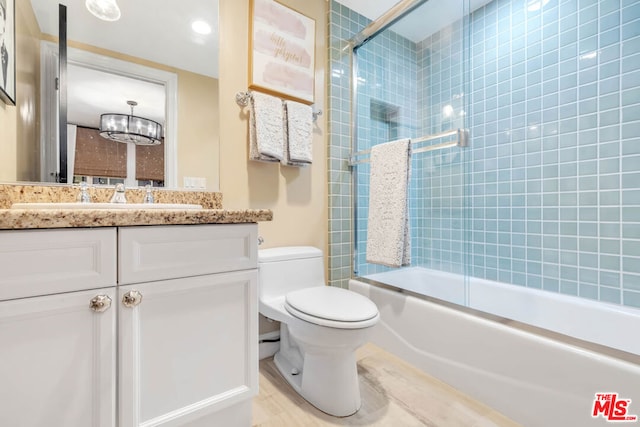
x,y
130,128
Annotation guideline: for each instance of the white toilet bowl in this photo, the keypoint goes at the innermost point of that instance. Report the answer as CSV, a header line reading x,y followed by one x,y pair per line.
x,y
321,327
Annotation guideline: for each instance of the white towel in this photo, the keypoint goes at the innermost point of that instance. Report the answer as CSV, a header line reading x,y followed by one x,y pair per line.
x,y
388,240
266,135
298,134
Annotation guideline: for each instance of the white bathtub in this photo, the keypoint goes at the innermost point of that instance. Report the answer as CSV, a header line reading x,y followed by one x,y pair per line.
x,y
536,377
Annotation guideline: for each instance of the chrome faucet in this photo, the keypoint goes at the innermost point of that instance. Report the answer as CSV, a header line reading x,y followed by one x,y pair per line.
x,y
84,196
148,197
118,194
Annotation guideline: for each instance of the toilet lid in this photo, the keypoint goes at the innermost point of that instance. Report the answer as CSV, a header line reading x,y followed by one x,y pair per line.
x,y
331,303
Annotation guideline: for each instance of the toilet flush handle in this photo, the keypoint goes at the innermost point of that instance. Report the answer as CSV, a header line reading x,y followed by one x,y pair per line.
x,y
260,240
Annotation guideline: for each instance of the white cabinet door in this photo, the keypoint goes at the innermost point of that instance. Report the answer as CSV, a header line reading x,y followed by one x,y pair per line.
x,y
188,348
57,361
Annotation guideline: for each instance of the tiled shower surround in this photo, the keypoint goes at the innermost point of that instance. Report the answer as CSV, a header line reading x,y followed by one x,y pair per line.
x,y
548,193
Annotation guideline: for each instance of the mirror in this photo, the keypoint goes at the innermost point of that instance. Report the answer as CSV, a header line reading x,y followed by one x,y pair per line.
x,y
160,40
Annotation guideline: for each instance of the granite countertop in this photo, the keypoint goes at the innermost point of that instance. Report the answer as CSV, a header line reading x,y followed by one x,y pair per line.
x,y
212,212
13,219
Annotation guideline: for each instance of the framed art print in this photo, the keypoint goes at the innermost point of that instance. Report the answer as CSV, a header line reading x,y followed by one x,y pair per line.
x,y
7,52
282,51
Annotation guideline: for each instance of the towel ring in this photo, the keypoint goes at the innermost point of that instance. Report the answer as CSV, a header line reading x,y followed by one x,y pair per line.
x,y
242,99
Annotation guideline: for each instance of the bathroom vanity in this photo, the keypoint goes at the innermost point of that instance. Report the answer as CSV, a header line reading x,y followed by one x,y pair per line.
x,y
129,325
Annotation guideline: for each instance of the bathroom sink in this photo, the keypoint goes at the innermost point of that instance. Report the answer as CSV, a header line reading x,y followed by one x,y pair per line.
x,y
143,206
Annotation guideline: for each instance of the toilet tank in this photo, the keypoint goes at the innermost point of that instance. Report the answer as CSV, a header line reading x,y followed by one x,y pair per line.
x,y
286,269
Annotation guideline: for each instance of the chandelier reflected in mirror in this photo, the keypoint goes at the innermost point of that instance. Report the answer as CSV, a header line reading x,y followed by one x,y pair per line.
x,y
130,128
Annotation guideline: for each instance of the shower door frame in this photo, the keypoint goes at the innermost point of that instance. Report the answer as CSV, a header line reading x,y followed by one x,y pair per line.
x,y
399,11
390,17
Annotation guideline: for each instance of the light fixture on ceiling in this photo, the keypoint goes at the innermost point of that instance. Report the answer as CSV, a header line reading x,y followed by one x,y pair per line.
x,y
130,128
201,27
107,10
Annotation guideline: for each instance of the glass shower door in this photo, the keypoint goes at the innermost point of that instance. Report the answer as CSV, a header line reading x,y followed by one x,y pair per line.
x,y
413,85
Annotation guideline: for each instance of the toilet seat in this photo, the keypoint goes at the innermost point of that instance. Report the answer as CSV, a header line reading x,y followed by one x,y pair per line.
x,y
332,307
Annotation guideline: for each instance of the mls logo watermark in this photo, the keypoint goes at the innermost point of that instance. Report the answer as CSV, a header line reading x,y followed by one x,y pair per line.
x,y
612,408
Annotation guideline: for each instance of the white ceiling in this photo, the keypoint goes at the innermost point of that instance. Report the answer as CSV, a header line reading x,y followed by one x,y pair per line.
x,y
155,30
427,19
93,92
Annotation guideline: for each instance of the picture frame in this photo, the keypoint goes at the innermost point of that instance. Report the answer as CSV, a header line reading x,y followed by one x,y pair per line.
x,y
281,51
8,51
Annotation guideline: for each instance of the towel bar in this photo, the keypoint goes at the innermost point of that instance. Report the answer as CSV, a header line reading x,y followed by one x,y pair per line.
x,y
463,141
242,99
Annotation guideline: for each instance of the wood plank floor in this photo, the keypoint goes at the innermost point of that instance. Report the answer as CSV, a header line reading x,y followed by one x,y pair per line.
x,y
394,393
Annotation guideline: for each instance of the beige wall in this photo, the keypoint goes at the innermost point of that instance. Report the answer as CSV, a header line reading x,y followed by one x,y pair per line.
x,y
27,94
198,128
19,145
297,196
7,143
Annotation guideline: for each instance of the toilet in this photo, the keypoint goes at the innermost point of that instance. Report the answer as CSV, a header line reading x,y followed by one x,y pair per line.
x,y
321,327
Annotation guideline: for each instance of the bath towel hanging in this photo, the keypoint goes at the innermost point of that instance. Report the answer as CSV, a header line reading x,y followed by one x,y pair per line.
x,y
298,134
388,239
266,134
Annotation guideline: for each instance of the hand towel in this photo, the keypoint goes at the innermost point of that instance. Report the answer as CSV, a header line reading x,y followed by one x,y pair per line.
x,y
266,134
388,238
298,134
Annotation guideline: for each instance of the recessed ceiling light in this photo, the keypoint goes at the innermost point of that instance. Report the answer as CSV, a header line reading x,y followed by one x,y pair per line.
x,y
201,27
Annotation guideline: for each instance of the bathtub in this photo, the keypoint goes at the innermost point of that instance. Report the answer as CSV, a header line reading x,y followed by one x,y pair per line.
x,y
537,357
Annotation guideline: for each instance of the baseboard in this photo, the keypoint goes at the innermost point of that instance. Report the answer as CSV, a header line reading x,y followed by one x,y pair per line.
x,y
268,349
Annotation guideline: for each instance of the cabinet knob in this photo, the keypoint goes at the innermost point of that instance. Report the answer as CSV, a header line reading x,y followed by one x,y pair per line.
x,y
131,299
100,303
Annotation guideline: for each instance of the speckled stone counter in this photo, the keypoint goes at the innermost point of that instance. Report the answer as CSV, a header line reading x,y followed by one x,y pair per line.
x,y
14,219
27,193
